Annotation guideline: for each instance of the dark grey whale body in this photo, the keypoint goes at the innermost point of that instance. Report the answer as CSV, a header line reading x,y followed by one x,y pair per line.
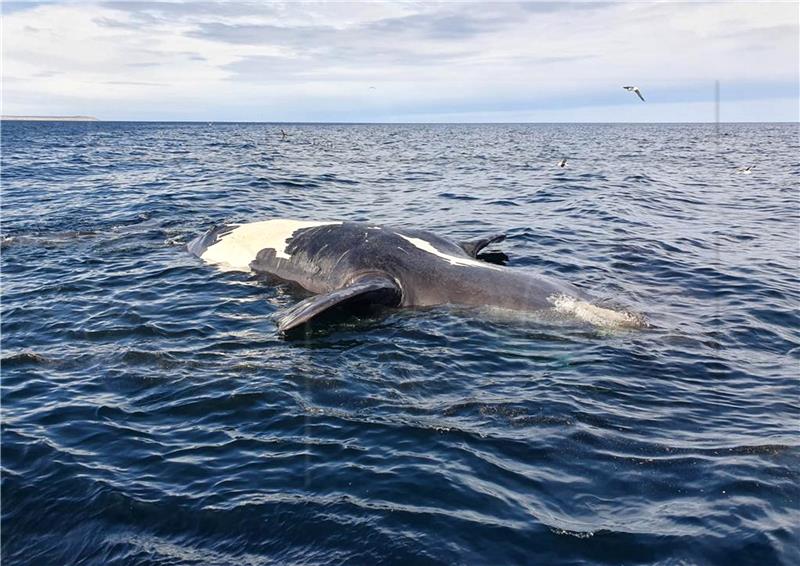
x,y
352,265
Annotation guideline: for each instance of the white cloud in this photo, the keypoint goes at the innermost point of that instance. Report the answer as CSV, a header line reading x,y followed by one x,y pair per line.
x,y
317,61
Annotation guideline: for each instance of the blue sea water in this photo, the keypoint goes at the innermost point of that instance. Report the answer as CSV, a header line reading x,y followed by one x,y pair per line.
x,y
152,415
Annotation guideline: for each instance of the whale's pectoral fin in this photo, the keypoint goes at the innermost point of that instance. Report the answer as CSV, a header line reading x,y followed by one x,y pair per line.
x,y
361,296
473,247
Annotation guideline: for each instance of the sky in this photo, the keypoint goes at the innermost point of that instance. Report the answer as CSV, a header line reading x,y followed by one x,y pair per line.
x,y
402,61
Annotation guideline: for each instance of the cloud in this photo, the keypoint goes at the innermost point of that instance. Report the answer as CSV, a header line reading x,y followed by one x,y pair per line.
x,y
262,34
316,61
133,24
549,7
9,8
135,83
447,26
172,10
334,65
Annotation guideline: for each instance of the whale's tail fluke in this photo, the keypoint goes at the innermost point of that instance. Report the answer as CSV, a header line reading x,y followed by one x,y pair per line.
x,y
210,237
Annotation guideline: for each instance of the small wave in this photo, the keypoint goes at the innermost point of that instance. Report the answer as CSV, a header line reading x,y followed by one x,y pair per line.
x,y
54,239
24,358
155,548
295,184
146,358
576,534
455,196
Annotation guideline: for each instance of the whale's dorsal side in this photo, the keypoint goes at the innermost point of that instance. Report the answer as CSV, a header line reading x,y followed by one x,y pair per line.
x,y
365,294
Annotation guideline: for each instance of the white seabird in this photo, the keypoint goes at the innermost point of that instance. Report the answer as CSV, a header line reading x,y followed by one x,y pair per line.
x,y
636,90
746,170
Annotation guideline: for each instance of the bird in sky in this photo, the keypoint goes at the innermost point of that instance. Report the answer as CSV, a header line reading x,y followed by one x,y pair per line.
x,y
636,90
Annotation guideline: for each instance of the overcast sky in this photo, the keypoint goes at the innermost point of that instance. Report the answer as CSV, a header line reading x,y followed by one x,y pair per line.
x,y
401,62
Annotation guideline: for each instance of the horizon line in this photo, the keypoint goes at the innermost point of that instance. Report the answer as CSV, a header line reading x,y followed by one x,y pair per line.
x,y
82,118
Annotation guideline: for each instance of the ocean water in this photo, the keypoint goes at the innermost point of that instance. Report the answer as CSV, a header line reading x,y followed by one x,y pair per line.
x,y
152,415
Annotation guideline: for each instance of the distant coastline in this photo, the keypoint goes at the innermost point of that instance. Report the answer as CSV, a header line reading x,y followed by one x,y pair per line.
x,y
51,118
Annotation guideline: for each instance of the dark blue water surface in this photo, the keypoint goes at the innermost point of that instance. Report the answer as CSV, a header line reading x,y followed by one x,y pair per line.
x,y
151,414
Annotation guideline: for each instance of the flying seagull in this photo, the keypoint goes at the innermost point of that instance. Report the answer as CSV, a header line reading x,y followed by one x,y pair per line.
x,y
563,162
746,170
284,135
636,90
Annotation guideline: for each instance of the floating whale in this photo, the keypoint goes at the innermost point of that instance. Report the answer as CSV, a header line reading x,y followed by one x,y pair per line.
x,y
356,267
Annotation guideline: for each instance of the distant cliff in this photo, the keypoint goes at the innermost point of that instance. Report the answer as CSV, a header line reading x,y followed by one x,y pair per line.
x,y
53,118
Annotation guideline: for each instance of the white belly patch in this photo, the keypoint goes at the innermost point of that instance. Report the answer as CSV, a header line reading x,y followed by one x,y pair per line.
x,y
237,249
